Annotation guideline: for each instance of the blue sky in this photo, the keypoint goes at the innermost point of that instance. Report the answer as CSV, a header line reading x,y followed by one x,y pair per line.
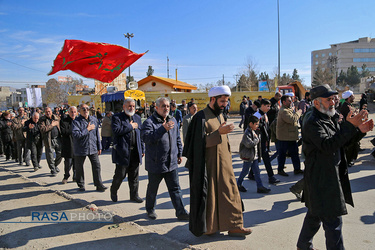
x,y
203,39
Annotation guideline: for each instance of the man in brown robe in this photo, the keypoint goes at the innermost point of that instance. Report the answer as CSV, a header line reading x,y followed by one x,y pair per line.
x,y
215,202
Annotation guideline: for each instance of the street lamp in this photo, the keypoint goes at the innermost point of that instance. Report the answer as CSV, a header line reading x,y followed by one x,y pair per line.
x,y
128,36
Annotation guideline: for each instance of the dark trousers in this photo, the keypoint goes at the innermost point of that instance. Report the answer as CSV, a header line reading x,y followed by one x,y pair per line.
x,y
1,147
95,167
292,148
9,149
171,180
23,153
298,187
36,149
106,142
332,227
132,170
55,146
68,165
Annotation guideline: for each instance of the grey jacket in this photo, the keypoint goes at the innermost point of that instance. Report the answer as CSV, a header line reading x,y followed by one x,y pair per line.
x,y
250,146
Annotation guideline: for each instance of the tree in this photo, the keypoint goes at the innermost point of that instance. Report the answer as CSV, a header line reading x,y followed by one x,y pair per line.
x,y
249,79
263,76
285,79
365,72
54,93
129,79
352,76
295,75
322,77
341,79
150,71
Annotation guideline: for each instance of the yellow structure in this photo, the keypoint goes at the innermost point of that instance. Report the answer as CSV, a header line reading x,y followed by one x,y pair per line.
x,y
91,100
164,85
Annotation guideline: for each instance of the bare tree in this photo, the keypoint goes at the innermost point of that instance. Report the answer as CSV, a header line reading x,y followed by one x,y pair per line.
x,y
248,76
54,92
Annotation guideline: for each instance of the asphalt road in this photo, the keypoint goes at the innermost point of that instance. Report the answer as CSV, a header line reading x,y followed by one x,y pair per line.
x,y
276,218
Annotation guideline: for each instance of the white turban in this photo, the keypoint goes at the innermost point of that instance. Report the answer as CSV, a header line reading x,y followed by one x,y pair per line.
x,y
291,94
219,90
347,94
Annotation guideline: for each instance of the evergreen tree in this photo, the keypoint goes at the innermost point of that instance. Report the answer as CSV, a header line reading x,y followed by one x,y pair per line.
x,y
150,71
295,75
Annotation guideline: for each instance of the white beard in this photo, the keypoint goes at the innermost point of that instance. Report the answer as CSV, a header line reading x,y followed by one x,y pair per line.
x,y
129,113
329,112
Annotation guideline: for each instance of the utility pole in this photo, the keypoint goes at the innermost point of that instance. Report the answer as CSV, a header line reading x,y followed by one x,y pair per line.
x,y
128,36
278,33
223,80
167,67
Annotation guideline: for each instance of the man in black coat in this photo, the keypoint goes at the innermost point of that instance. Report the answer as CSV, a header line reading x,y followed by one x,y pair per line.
x,y
34,140
327,186
274,109
67,143
7,135
128,150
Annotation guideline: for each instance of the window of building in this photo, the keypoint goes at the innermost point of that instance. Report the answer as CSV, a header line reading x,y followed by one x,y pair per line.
x,y
316,63
323,62
371,69
316,55
366,59
323,55
369,50
329,54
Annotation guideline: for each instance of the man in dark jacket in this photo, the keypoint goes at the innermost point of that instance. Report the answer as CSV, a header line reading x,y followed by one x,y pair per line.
x,y
49,125
23,153
243,106
128,150
327,186
274,108
161,136
67,143
34,140
7,135
86,142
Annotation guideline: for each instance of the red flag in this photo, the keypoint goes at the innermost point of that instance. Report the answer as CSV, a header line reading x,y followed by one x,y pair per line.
x,y
101,61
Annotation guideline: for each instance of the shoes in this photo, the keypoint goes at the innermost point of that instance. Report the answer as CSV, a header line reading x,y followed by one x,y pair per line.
x,y
297,194
114,196
57,169
39,167
53,173
282,173
240,232
137,199
101,188
350,164
20,163
183,217
273,180
251,177
27,163
298,171
242,189
81,189
36,169
239,126
152,215
263,190
64,181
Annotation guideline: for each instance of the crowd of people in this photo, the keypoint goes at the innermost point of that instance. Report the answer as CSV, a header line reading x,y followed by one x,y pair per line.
x,y
330,133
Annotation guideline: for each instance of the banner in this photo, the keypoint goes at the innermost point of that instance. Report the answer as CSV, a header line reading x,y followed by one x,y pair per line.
x,y
34,97
100,61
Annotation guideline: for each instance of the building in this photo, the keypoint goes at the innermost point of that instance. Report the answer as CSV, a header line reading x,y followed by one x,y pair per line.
x,y
164,85
119,82
342,56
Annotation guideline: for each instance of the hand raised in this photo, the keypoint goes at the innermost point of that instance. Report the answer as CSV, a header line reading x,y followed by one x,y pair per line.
x,y
31,126
366,126
225,129
357,119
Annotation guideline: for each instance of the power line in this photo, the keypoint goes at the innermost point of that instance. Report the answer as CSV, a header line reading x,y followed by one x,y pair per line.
x,y
21,65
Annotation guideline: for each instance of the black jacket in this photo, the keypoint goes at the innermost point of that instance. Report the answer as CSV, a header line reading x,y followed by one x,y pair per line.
x,y
6,131
327,186
66,137
32,135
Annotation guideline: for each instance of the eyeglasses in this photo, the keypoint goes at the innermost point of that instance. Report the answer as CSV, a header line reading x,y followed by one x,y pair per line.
x,y
85,109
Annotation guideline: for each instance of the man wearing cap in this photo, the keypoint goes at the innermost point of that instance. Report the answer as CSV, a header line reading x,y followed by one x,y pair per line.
x,y
215,202
327,187
352,149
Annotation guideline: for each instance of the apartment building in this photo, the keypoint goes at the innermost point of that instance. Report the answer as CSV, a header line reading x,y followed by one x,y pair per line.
x,y
342,56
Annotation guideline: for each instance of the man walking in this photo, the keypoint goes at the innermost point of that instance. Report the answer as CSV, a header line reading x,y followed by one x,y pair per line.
x,y
326,182
86,141
23,153
128,150
34,140
49,125
287,135
161,135
67,143
215,202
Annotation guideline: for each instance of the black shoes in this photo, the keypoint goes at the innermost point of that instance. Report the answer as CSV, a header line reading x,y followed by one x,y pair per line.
x,y
242,189
53,173
282,173
251,177
152,215
57,169
114,196
137,199
101,188
81,189
298,171
273,180
183,217
297,194
263,190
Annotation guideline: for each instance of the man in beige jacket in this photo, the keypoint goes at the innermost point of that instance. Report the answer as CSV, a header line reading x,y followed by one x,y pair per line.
x,y
287,135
